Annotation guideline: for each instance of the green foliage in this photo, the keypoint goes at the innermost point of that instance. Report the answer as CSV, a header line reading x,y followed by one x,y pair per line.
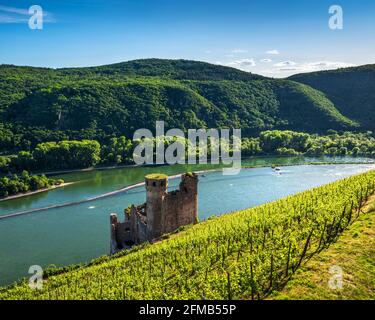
x,y
352,90
168,69
353,252
67,154
308,109
293,143
119,151
54,156
4,164
250,147
23,161
274,140
287,152
14,184
244,255
347,143
39,105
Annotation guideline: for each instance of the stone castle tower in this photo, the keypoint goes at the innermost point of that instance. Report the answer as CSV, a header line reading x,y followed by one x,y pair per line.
x,y
162,213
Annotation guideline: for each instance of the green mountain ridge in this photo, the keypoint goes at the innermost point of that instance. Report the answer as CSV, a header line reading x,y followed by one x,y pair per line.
x,y
123,97
169,69
351,90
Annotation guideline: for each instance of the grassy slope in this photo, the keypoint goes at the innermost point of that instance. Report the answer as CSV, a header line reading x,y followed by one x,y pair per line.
x,y
354,252
244,254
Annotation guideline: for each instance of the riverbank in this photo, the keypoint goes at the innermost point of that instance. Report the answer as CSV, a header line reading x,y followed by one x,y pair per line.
x,y
30,193
215,266
141,183
112,167
106,195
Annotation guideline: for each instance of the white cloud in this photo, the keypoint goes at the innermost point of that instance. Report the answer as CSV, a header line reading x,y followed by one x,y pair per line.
x,y
274,52
238,51
243,64
20,15
284,64
287,68
14,10
266,60
324,65
312,66
9,19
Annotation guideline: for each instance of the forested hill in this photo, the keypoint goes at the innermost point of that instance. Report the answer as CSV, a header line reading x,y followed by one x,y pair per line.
x,y
352,90
170,69
120,98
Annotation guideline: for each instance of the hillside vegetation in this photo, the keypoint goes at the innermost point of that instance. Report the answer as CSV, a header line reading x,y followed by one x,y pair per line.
x,y
169,69
244,255
72,154
353,253
352,91
89,103
13,185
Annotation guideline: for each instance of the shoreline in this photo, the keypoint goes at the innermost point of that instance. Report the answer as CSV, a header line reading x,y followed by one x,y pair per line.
x,y
105,195
72,267
139,184
124,166
30,193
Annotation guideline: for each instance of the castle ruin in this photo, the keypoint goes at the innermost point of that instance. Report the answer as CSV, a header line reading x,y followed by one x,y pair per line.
x,y
162,213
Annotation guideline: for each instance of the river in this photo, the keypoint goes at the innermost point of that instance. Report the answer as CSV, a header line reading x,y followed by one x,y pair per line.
x,y
79,231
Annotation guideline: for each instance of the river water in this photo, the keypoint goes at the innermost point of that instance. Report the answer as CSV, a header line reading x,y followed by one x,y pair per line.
x,y
79,232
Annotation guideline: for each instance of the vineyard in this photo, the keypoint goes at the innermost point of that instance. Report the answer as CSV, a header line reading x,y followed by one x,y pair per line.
x,y
243,255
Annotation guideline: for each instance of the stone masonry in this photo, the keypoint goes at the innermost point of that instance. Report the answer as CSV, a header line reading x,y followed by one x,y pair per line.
x,y
162,213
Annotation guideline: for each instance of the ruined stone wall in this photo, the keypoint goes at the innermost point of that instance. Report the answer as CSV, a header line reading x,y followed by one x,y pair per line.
x,y
132,231
156,190
181,207
162,213
137,224
120,233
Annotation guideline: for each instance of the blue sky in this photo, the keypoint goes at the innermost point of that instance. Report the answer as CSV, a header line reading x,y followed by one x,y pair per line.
x,y
270,37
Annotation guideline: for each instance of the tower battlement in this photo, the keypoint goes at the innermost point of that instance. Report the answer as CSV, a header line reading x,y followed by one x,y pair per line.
x,y
162,213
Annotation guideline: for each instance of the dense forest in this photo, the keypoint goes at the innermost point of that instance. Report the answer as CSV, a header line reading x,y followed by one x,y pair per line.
x,y
81,117
40,105
72,154
352,90
24,183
